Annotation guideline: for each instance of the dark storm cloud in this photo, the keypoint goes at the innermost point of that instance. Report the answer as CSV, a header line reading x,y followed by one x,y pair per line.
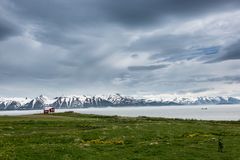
x,y
94,17
7,29
142,12
129,13
147,68
62,13
132,12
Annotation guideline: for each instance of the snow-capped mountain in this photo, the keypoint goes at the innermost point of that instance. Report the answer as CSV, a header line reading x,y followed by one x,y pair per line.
x,y
106,100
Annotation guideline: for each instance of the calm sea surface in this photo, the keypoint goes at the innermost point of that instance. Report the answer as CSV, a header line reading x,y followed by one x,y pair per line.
x,y
200,112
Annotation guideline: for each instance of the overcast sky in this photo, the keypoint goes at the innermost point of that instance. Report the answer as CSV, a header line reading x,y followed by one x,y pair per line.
x,y
133,47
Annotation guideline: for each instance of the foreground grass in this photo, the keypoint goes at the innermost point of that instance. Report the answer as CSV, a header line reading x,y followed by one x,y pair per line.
x,y
76,136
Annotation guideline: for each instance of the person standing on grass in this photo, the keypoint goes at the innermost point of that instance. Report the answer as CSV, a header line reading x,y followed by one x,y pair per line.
x,y
220,145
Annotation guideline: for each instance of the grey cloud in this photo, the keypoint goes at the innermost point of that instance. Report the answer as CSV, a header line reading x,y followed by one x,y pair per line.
x,y
200,54
200,90
231,79
134,55
88,44
134,12
171,44
147,68
57,36
88,16
166,44
7,29
142,12
59,13
212,78
231,52
171,48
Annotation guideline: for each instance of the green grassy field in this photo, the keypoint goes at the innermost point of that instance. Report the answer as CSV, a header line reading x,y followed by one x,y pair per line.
x,y
76,136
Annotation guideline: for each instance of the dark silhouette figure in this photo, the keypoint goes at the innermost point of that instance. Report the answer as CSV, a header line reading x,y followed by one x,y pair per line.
x,y
220,145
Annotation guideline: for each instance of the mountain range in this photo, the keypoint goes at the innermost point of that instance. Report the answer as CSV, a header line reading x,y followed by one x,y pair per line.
x,y
115,100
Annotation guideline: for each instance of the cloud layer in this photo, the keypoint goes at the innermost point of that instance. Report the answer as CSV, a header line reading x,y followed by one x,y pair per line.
x,y
132,47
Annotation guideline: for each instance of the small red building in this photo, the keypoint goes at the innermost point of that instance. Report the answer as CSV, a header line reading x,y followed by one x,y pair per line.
x,y
48,110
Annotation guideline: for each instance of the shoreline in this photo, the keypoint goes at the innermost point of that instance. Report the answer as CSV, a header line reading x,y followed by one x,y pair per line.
x,y
199,112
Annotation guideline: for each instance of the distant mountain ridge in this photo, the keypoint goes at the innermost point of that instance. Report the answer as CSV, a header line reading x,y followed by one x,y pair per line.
x,y
115,100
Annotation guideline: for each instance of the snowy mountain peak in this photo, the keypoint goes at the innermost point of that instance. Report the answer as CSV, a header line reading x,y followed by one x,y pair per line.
x,y
113,100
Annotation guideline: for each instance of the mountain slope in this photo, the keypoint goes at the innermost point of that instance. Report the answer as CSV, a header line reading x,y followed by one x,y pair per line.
x,y
104,101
